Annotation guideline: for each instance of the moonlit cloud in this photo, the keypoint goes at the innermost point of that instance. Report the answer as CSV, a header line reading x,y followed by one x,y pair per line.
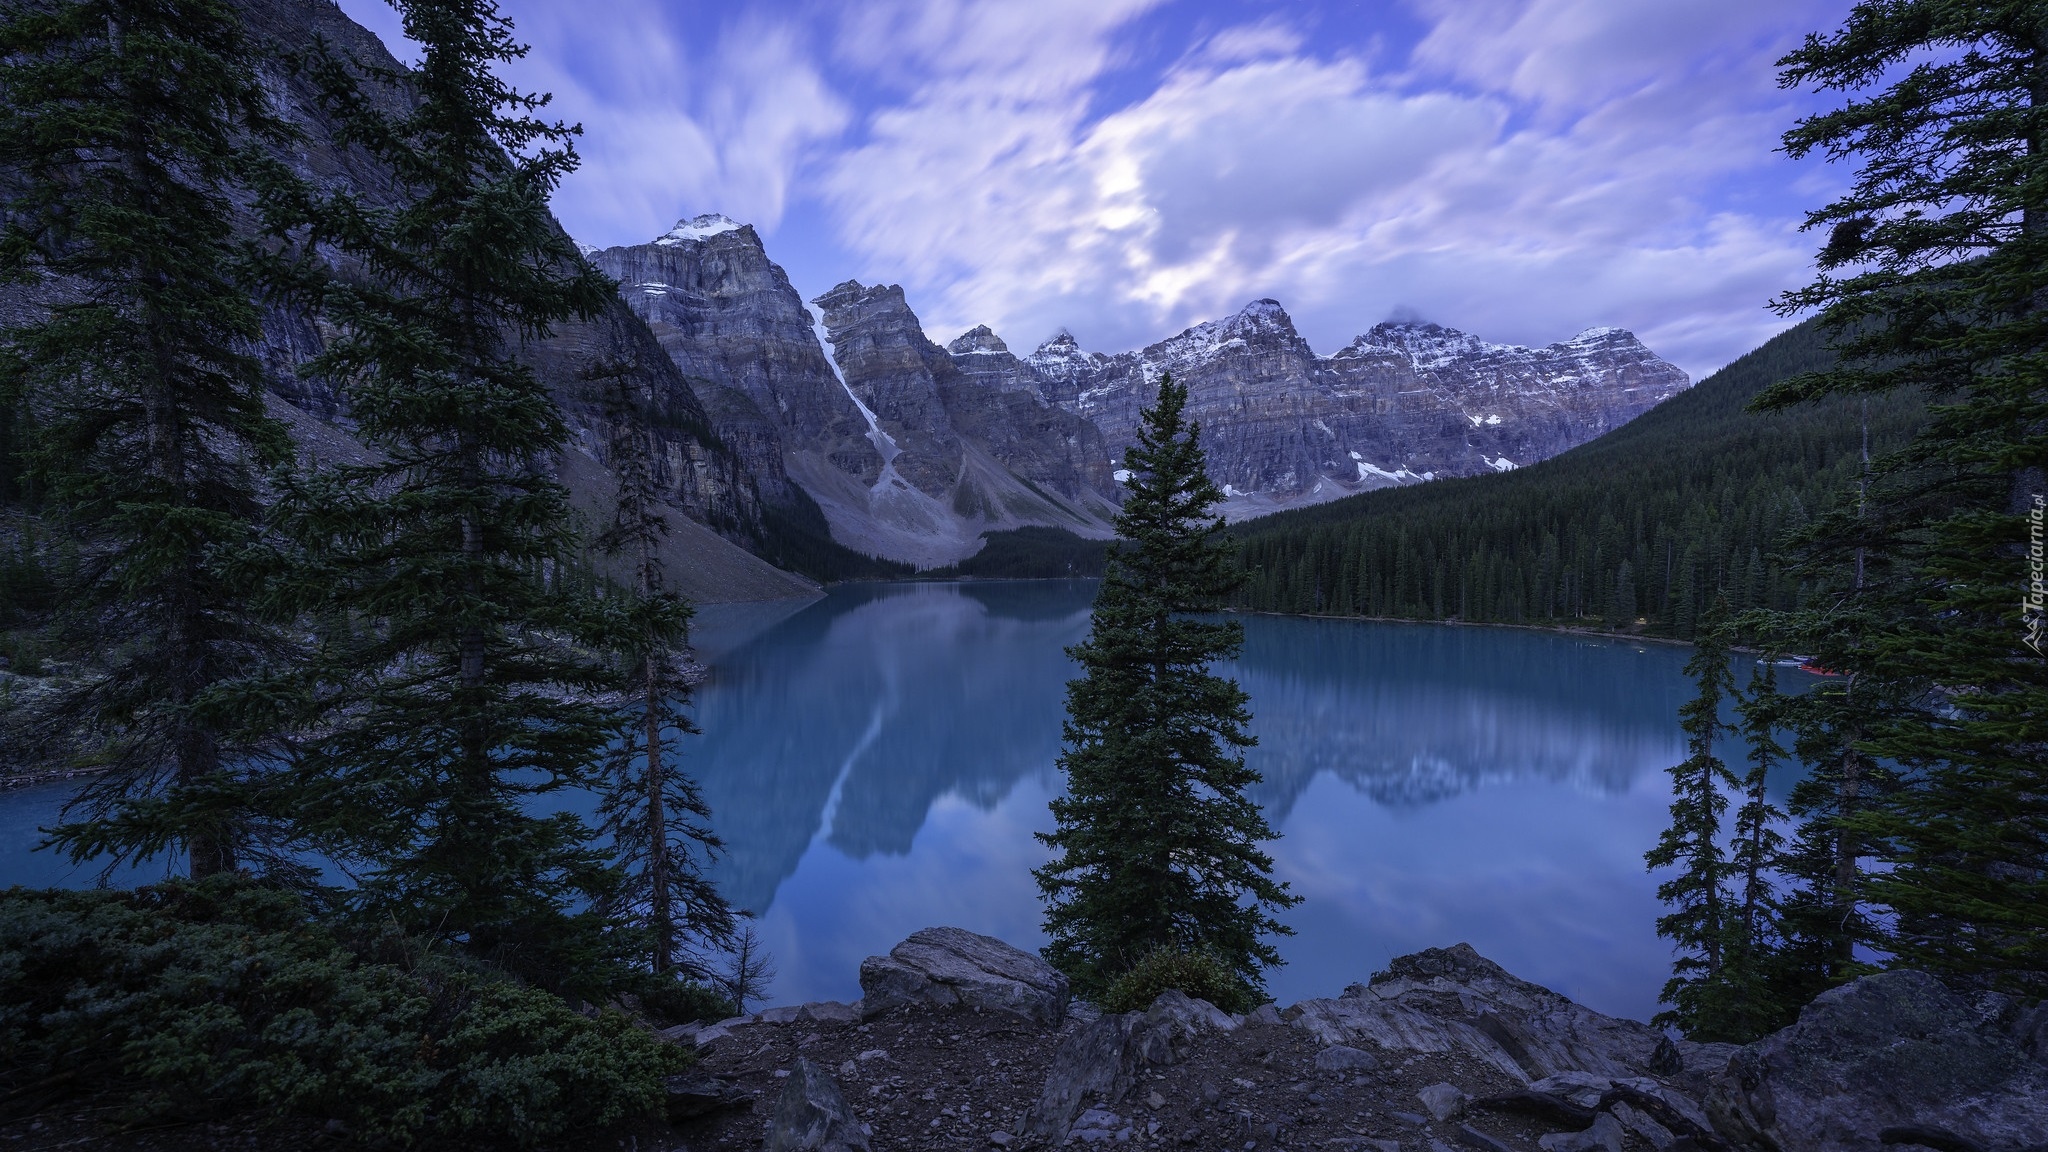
x,y
1523,169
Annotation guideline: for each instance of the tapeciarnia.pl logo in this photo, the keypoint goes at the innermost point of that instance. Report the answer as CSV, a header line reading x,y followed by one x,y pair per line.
x,y
2034,604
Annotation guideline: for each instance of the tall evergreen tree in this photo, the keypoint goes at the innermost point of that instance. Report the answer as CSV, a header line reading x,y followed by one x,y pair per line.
x,y
1157,847
459,678
1934,277
1702,998
652,809
124,127
1757,840
1757,1005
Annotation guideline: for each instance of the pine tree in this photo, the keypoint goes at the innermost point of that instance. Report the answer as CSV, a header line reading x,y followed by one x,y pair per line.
x,y
1757,840
459,678
1156,848
1934,278
1700,993
1757,1007
652,809
125,126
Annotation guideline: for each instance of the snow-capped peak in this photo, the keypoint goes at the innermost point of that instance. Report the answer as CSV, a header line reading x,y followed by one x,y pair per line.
x,y
698,228
588,249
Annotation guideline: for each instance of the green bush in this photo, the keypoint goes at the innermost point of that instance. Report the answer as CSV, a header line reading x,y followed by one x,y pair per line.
x,y
193,1000
674,1001
1202,975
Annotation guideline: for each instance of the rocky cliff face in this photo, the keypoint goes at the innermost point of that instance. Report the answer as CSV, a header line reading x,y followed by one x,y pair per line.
x,y
1400,404
727,318
965,451
709,483
907,456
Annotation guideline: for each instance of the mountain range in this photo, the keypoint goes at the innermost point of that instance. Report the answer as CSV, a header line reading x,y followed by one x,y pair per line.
x,y
912,451
819,436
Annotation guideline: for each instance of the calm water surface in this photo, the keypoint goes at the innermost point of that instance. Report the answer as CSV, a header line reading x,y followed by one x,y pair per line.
x,y
878,759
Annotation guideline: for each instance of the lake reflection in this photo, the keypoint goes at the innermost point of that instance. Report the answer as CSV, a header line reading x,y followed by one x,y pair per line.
x,y
878,759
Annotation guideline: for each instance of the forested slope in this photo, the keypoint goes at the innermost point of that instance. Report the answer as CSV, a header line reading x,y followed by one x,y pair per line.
x,y
1646,523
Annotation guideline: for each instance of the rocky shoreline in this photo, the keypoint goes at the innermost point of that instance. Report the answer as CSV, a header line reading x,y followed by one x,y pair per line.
x,y
962,1042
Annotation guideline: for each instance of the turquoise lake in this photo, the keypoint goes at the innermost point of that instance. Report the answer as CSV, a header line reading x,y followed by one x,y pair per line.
x,y
877,761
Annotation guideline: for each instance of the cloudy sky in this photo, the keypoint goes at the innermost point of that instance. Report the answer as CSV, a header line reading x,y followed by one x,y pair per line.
x,y
1520,169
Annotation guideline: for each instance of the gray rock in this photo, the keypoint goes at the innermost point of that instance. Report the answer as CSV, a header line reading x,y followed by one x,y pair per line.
x,y
1581,1088
955,968
1640,1123
1341,1058
711,1034
1479,1141
1099,1126
1174,1024
697,1094
1093,1064
1001,1139
1605,1135
830,1012
1893,1051
1444,1101
1265,1016
811,1115
786,1014
1453,1000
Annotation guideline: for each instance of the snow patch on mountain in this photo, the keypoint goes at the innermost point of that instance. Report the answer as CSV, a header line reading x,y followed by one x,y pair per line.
x,y
698,228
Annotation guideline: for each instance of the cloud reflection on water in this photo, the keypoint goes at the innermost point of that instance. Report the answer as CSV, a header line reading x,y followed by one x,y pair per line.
x,y
1433,784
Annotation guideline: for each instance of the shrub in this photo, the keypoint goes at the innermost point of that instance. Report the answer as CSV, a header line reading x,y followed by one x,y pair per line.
x,y
189,1000
1202,975
676,1001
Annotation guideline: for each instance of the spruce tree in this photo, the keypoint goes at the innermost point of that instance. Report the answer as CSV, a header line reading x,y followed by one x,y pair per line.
x,y
125,126
1157,847
1699,991
459,678
652,809
1756,847
1934,277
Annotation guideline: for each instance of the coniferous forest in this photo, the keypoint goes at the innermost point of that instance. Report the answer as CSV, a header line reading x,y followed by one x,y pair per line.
x,y
1640,529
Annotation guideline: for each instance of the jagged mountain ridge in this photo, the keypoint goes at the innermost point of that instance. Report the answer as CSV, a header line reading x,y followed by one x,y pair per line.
x,y
907,455
912,450
1402,403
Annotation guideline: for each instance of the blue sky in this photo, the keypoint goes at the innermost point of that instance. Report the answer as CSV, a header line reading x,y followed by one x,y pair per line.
x,y
1520,169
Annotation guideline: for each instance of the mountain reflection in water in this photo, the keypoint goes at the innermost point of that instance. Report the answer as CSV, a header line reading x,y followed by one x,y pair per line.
x,y
878,759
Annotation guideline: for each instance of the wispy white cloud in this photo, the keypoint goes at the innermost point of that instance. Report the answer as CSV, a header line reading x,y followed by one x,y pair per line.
x,y
1520,168
1530,170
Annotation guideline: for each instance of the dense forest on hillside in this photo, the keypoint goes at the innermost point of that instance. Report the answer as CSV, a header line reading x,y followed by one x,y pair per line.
x,y
1641,527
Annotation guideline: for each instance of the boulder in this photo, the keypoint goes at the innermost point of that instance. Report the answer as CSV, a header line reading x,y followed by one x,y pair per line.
x,y
1100,1126
1895,1058
1170,1028
955,968
712,1033
829,1012
1606,1135
1455,1001
1444,1101
1094,1064
1643,1124
811,1115
698,1094
1339,1058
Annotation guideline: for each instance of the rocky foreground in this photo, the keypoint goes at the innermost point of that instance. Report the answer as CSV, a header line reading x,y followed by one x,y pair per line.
x,y
961,1042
